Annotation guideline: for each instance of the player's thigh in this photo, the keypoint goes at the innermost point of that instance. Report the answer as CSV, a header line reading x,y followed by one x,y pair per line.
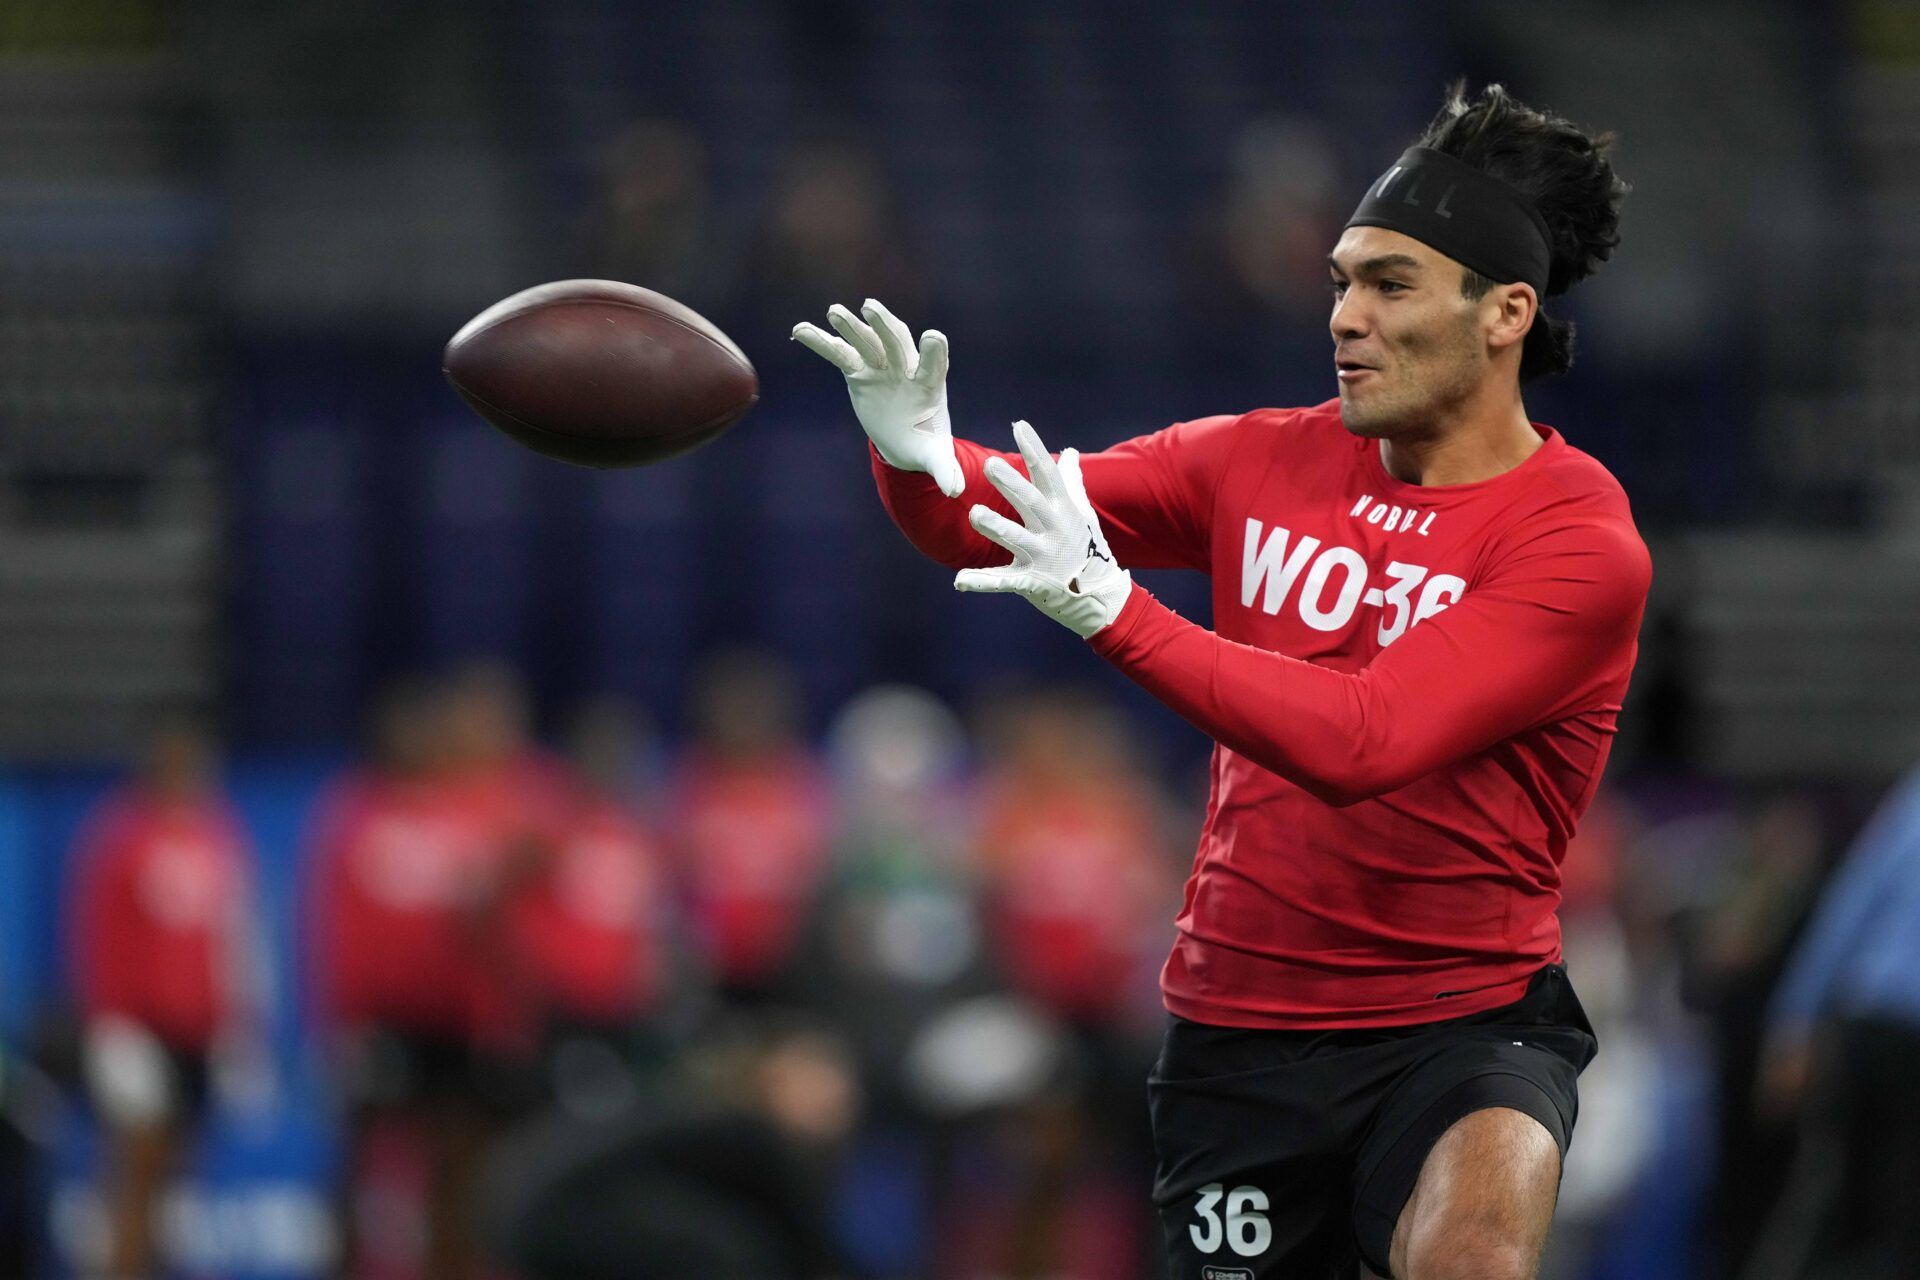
x,y
1483,1201
1499,1170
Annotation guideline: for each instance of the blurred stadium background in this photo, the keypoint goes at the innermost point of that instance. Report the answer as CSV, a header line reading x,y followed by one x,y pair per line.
x,y
233,485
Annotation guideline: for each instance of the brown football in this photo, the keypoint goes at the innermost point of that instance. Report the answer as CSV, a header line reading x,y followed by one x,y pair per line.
x,y
600,373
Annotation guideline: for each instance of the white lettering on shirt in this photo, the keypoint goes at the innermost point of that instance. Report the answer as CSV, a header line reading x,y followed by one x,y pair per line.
x,y
1273,563
1269,562
1391,517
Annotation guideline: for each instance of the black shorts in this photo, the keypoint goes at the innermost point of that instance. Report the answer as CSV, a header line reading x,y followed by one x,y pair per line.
x,y
1287,1155
192,1076
388,1067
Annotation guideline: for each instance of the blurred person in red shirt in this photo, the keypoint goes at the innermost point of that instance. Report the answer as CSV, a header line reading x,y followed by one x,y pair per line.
x,y
521,796
166,970
1074,853
1073,849
398,852
412,859
751,823
592,921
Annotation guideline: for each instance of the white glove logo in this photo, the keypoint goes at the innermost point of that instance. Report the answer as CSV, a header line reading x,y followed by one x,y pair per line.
x,y
899,395
1061,561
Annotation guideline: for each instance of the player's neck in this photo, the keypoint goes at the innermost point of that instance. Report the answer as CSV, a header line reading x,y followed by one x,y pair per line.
x,y
1480,441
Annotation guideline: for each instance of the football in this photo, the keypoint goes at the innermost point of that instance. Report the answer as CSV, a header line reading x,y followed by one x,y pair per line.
x,y
600,373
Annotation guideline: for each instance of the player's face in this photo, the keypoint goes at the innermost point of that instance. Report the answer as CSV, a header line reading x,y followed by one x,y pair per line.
x,y
1407,344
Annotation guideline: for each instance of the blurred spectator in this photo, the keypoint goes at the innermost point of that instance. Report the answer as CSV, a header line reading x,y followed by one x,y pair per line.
x,y
1075,854
895,935
1257,286
592,925
751,823
723,1176
1025,1183
1080,885
619,748
893,942
384,848
1843,1045
408,857
831,233
1264,246
1590,872
521,796
654,224
1593,941
1736,947
167,972
1037,1197
31,1104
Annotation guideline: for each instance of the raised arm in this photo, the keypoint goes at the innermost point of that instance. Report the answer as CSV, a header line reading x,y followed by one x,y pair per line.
x,y
1154,493
1530,640
1516,650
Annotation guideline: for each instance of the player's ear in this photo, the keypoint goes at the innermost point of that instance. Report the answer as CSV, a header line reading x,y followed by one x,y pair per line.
x,y
1508,311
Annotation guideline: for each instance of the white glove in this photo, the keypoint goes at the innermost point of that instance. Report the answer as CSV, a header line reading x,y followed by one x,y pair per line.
x,y
899,395
1061,561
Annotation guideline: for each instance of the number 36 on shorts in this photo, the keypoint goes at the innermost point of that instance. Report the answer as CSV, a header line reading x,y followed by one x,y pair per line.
x,y
1244,1228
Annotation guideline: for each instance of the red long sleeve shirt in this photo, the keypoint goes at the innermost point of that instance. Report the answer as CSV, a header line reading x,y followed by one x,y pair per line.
x,y
397,862
592,925
1069,878
751,842
1412,690
159,903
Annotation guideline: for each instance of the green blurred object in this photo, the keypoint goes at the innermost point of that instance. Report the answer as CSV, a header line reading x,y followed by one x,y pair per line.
x,y
43,27
1888,31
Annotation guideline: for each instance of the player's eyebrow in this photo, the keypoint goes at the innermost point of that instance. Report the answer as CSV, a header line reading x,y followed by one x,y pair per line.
x,y
1385,262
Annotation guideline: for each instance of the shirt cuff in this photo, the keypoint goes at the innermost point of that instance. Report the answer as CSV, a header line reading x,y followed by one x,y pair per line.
x,y
1115,634
879,460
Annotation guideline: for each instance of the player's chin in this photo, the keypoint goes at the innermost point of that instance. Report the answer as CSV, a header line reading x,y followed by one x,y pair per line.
x,y
1362,418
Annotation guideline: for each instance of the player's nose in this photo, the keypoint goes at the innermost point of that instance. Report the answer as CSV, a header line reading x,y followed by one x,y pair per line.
x,y
1349,318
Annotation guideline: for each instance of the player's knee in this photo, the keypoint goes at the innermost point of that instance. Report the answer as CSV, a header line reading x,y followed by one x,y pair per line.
x,y
1469,1258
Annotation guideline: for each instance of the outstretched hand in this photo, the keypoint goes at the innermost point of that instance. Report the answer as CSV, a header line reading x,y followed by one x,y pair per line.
x,y
899,392
1061,561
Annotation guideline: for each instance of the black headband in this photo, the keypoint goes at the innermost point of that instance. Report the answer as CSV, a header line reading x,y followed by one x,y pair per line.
x,y
1472,217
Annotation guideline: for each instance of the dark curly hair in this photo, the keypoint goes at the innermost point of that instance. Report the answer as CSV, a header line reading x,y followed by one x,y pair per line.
x,y
1569,175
